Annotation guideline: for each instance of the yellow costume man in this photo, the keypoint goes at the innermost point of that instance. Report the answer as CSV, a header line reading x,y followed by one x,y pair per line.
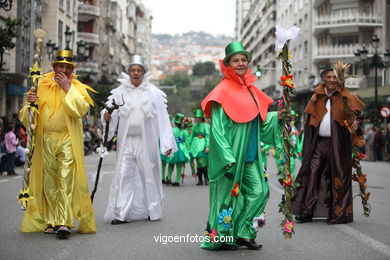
x,y
58,183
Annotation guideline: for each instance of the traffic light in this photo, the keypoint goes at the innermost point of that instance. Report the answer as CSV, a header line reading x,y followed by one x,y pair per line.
x,y
258,72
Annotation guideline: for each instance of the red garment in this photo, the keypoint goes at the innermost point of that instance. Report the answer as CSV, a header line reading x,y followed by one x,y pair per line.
x,y
237,102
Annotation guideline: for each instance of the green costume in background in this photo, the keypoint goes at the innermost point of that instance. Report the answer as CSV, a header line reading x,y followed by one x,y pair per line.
x,y
200,141
188,126
264,153
181,156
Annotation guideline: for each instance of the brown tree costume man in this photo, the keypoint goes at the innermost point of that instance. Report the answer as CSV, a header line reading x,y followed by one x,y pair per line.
x,y
325,188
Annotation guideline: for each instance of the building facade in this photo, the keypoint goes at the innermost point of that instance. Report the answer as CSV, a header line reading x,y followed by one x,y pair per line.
x,y
330,30
16,62
257,34
104,34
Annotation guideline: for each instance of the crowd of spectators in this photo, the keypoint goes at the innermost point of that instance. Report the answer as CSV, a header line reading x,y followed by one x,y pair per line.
x,y
12,144
377,143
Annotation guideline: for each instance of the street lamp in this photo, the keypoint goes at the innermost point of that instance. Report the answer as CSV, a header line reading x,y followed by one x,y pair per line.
x,y
68,38
376,63
86,51
258,72
50,48
80,50
6,4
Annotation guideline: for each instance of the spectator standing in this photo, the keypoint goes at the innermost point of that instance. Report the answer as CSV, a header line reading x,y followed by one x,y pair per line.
x,y
10,144
369,144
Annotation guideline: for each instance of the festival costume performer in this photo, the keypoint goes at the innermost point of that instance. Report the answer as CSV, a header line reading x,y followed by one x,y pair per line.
x,y
200,146
239,116
165,160
264,155
181,156
188,126
327,154
136,189
58,183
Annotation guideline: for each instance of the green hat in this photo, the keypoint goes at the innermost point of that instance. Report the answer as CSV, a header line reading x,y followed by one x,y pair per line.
x,y
179,118
235,48
294,113
188,122
199,113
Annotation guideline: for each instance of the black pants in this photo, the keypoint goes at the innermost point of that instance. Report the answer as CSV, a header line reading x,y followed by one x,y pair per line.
x,y
10,163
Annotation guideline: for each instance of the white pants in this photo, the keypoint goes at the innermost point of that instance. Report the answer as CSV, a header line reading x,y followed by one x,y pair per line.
x,y
136,195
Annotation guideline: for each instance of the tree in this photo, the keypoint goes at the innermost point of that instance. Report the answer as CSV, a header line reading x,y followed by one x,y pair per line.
x,y
203,68
7,33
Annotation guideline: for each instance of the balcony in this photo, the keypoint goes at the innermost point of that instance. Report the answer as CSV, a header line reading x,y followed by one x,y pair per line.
x,y
92,38
338,51
348,20
87,67
88,12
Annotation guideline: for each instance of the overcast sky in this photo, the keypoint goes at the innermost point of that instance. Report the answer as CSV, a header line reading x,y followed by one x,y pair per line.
x,y
179,16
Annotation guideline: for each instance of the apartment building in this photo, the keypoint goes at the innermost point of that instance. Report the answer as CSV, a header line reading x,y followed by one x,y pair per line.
x,y
144,33
16,62
342,27
57,18
331,30
257,34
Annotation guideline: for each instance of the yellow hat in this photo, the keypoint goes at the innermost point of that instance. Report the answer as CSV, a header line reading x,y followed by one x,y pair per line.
x,y
64,56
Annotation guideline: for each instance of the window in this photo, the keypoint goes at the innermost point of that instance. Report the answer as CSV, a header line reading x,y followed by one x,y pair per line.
x,y
367,10
61,4
306,48
68,7
344,40
60,33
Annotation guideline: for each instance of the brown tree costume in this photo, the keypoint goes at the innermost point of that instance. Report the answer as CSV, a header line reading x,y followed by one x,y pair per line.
x,y
325,188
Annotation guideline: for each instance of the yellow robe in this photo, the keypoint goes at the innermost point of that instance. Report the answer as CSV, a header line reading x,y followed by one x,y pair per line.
x,y
75,103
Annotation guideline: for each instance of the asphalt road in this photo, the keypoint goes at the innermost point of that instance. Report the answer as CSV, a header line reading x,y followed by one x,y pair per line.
x,y
186,210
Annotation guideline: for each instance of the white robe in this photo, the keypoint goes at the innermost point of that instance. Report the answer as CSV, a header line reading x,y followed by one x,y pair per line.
x,y
136,189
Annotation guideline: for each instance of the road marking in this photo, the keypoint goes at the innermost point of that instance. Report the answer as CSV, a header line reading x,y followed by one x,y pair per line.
x,y
377,245
369,241
3,181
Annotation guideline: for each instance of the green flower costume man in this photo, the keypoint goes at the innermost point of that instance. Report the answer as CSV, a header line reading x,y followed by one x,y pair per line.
x,y
239,116
181,156
199,146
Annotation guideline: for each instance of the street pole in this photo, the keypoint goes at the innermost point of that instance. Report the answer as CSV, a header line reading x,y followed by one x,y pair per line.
x,y
376,84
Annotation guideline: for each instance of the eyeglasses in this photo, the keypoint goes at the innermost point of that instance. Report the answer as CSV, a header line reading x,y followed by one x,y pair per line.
x,y
61,58
135,70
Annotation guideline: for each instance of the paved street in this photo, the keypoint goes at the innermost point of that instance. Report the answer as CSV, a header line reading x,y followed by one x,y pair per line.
x,y
186,210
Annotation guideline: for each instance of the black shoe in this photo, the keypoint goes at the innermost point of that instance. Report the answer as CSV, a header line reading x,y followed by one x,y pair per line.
x,y
118,222
163,182
199,183
62,231
227,247
304,219
252,245
176,184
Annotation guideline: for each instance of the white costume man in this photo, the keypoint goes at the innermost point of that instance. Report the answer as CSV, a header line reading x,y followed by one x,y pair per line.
x,y
144,126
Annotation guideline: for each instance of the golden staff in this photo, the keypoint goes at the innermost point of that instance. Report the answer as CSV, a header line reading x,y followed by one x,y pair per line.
x,y
35,75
